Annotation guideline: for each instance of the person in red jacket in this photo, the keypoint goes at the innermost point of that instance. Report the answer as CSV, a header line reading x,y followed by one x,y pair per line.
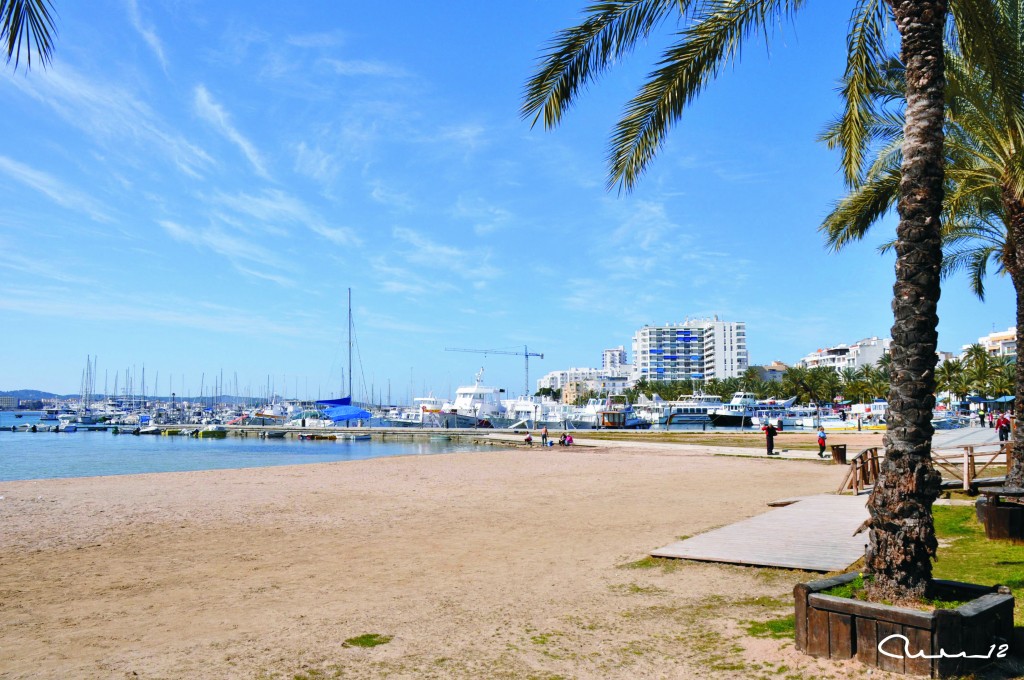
x,y
1003,426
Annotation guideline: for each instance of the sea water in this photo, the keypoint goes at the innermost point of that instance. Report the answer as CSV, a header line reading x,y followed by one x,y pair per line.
x,y
40,455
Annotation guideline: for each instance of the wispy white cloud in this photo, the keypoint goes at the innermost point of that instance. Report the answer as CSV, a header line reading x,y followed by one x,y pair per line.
x,y
486,217
385,322
26,266
155,311
57,191
315,163
213,113
472,266
389,197
233,248
360,67
273,206
110,115
147,32
403,281
316,40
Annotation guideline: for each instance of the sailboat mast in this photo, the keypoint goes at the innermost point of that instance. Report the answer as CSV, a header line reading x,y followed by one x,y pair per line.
x,y
350,343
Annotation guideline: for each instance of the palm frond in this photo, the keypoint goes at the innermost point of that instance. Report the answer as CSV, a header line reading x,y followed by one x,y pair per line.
x,y
685,69
580,54
29,22
866,45
852,217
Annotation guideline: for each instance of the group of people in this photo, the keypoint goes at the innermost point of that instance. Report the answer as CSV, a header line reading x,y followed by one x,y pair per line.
x,y
564,440
769,435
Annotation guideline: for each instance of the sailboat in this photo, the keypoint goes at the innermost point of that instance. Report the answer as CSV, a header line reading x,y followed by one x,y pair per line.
x,y
341,411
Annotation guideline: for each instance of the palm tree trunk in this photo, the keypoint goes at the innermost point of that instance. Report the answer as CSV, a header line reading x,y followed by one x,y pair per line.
x,y
1014,263
902,539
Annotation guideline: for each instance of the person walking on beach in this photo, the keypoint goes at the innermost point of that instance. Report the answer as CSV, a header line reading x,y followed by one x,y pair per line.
x,y
544,436
821,441
769,436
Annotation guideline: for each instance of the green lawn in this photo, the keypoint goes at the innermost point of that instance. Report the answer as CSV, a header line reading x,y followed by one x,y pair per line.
x,y
965,554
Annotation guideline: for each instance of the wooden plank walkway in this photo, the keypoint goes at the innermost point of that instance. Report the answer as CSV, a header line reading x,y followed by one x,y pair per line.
x,y
813,534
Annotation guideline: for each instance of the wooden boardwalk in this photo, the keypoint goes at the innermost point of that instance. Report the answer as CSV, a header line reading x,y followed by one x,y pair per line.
x,y
813,534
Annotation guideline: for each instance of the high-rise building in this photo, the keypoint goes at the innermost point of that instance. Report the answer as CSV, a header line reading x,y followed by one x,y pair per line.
x,y
613,362
697,349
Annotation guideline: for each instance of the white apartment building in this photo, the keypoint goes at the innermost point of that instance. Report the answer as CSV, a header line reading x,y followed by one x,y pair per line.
x,y
864,352
613,362
999,343
697,349
557,380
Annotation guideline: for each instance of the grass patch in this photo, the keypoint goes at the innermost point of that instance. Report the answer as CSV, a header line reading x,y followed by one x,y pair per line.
x,y
967,555
367,640
778,629
636,589
666,564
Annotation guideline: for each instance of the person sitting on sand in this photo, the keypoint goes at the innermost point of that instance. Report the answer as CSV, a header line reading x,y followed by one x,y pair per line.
x,y
568,440
529,439
561,440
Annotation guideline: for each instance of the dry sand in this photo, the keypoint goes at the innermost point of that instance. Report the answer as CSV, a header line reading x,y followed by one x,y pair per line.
x,y
479,565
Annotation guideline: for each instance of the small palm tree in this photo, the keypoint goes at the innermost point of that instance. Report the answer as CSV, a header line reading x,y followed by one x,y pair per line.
x,y
27,26
947,377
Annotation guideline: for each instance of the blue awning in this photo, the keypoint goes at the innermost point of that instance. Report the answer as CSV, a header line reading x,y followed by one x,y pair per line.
x,y
342,413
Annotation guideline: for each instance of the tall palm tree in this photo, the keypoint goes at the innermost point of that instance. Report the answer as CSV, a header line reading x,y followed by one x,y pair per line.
x,y
983,218
902,539
27,25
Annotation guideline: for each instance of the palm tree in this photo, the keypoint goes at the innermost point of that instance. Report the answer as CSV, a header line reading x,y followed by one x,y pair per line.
x,y
983,217
947,377
27,25
979,372
902,539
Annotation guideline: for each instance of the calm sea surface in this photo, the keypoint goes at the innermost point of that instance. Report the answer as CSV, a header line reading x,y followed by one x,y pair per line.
x,y
40,455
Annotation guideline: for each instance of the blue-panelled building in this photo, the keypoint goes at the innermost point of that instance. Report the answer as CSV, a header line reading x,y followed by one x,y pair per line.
x,y
696,349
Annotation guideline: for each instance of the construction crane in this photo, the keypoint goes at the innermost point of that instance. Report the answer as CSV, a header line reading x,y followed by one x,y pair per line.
x,y
526,354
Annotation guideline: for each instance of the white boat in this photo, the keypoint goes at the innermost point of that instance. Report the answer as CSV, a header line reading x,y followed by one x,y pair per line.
x,y
475,406
794,416
309,418
742,408
694,409
424,413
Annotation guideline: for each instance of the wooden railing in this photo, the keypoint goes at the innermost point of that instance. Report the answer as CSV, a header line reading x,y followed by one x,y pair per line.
x,y
962,464
863,471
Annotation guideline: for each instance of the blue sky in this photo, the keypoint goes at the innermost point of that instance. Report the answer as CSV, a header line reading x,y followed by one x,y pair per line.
x,y
192,187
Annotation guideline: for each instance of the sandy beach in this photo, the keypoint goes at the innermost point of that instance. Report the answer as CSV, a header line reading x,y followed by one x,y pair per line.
x,y
507,564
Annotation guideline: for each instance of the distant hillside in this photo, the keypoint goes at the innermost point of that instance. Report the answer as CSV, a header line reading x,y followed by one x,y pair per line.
x,y
30,395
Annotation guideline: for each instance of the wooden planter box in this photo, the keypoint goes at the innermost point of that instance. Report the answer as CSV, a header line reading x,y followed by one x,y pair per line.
x,y
1003,521
843,628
